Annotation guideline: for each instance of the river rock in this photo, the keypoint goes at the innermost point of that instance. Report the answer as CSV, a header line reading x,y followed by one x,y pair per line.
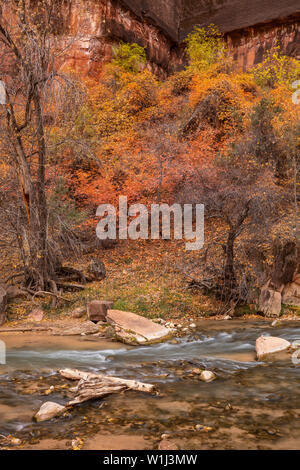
x,y
207,376
135,329
48,411
270,302
97,310
15,441
165,444
266,345
291,294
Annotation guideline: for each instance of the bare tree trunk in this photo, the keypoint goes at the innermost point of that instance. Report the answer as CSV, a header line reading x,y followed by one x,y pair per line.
x,y
3,303
230,281
229,272
38,235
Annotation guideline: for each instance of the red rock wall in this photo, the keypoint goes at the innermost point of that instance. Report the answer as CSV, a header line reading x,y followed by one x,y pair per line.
x,y
88,29
233,15
165,14
94,26
249,45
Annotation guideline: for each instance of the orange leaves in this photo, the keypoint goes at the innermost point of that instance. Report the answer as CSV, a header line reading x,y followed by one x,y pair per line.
x,y
133,122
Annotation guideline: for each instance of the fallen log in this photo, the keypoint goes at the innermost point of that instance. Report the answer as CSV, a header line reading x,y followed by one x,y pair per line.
x,y
74,374
94,388
90,387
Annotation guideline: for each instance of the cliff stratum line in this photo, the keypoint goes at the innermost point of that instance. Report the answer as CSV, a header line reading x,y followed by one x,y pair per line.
x,y
251,28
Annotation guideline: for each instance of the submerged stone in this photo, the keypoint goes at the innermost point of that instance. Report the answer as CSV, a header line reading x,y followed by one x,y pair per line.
x,y
207,376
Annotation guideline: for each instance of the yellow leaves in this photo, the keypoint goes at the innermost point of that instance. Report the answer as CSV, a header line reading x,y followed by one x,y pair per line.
x,y
11,440
77,444
205,47
276,69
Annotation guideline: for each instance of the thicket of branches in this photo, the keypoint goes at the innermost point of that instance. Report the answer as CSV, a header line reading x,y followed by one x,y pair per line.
x,y
39,100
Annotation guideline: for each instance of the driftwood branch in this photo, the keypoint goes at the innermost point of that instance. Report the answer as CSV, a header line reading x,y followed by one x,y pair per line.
x,y
74,374
93,388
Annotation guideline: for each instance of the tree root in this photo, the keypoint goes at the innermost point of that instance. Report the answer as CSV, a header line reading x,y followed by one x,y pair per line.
x,y
13,276
73,274
42,293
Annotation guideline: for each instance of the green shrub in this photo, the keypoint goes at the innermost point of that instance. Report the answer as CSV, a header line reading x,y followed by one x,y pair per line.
x,y
130,57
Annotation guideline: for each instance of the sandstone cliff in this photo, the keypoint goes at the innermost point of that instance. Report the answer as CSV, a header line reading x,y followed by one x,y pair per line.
x,y
251,28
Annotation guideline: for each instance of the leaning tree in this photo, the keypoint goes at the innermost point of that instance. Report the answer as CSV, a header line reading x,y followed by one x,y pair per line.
x,y
38,97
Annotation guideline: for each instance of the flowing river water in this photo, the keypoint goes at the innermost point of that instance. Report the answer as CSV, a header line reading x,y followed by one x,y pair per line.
x,y
251,404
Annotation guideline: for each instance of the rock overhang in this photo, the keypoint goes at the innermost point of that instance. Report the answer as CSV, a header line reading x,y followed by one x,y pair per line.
x,y
177,18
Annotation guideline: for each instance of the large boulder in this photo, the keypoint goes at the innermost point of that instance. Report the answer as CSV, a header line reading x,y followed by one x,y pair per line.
x,y
286,264
3,304
266,345
270,302
291,294
135,329
49,410
97,310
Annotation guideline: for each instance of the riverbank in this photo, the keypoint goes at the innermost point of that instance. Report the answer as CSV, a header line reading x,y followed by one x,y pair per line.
x,y
148,278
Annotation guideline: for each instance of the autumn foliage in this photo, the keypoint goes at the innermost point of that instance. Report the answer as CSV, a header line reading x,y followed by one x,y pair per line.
x,y
210,133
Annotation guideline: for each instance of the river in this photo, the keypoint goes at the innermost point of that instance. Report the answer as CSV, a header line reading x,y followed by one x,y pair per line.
x,y
251,404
